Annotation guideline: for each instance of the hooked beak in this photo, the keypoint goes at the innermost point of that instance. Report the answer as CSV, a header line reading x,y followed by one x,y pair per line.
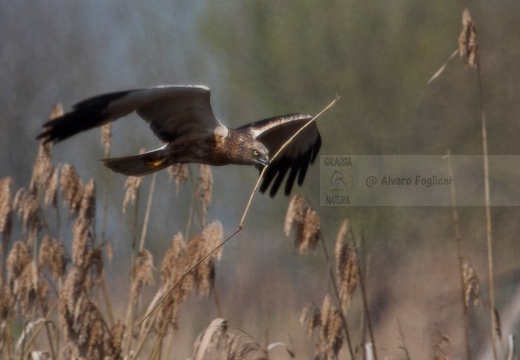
x,y
263,161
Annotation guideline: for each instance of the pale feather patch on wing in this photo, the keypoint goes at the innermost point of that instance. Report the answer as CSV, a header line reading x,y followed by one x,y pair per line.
x,y
221,131
258,127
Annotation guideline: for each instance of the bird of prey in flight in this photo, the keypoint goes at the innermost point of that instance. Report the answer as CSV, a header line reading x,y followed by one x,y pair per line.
x,y
181,117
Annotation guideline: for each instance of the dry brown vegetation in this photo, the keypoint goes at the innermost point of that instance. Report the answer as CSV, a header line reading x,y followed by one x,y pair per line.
x,y
54,303
59,295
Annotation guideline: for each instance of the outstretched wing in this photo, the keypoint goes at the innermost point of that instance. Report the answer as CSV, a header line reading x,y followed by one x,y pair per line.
x,y
295,158
171,111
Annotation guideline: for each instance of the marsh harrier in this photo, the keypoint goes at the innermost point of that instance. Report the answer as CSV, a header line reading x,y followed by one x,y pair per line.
x,y
181,116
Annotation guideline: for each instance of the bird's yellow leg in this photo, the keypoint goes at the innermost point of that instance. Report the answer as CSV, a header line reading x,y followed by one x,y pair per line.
x,y
152,164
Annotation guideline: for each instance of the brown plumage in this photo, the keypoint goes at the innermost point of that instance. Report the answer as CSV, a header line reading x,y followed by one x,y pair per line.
x,y
181,116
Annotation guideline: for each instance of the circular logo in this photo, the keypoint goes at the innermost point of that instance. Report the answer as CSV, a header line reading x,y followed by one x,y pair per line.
x,y
337,181
371,181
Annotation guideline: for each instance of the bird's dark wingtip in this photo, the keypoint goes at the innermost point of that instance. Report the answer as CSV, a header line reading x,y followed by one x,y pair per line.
x,y
46,135
271,193
43,138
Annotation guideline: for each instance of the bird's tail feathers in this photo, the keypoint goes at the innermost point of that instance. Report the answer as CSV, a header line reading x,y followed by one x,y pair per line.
x,y
139,165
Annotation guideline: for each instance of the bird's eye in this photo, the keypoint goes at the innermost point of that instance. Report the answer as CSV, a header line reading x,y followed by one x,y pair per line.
x,y
255,153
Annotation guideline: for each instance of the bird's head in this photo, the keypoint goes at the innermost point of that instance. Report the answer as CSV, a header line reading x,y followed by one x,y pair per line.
x,y
256,154
244,149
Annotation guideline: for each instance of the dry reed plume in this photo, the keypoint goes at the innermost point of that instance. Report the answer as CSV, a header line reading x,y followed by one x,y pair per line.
x,y
28,207
83,332
53,255
331,338
223,341
43,169
6,215
87,334
71,188
204,188
329,322
471,285
178,258
347,269
179,174
440,348
468,48
305,222
142,273
6,210
22,278
310,318
468,51
132,185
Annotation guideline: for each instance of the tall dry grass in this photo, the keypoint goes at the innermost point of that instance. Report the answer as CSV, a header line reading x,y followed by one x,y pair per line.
x,y
329,324
468,51
53,294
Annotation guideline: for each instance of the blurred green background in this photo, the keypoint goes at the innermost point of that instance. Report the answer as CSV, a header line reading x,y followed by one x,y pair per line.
x,y
264,58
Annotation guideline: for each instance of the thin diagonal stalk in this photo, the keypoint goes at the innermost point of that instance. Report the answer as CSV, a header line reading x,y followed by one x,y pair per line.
x,y
404,348
104,216
156,349
192,206
169,349
489,233
45,323
458,240
147,214
363,326
107,298
146,332
367,310
217,301
58,214
130,312
103,279
336,292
